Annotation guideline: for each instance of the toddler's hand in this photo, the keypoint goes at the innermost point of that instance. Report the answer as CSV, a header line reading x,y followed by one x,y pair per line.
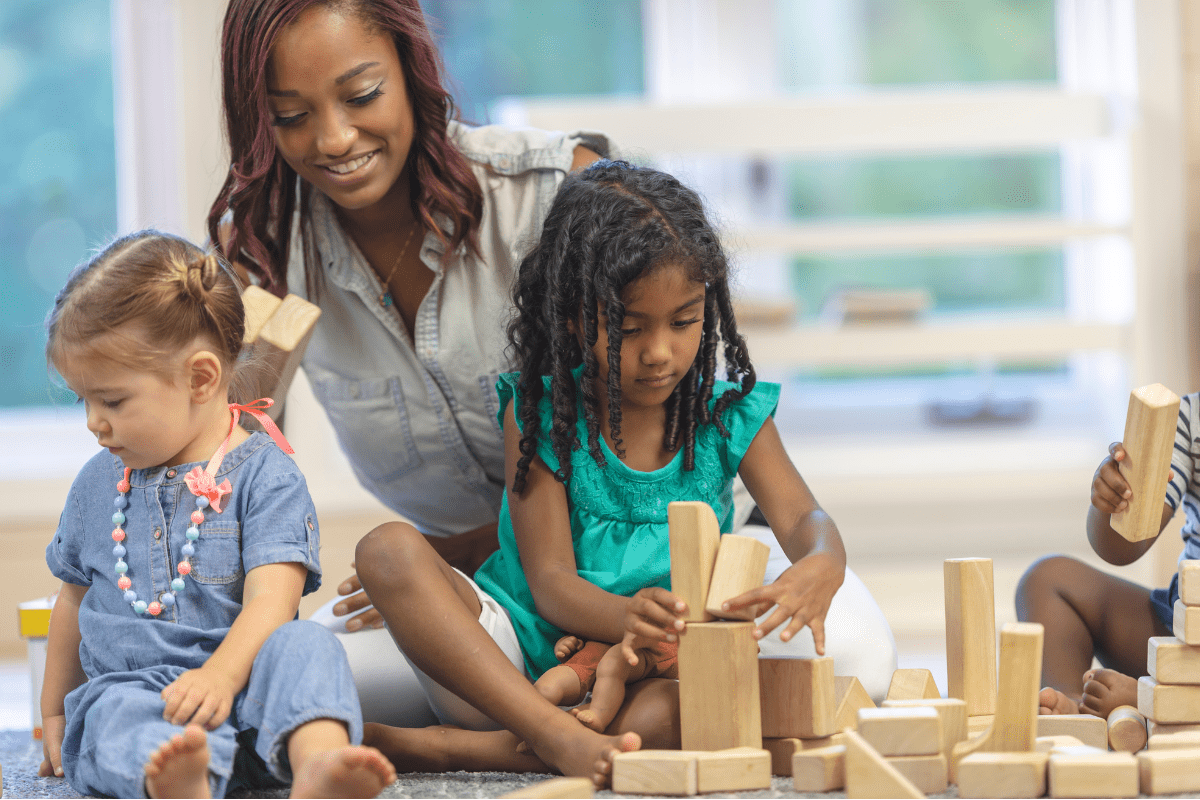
x,y
203,696
566,647
53,730
653,613
802,593
1110,490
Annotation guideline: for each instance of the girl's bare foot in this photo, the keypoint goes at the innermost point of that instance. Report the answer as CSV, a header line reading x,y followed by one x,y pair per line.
x,y
179,767
1105,689
346,772
1052,701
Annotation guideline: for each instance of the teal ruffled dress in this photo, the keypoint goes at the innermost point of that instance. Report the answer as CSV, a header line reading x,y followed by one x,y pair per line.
x,y
619,514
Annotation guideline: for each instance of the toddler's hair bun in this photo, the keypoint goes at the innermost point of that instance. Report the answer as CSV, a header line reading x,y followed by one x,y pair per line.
x,y
199,275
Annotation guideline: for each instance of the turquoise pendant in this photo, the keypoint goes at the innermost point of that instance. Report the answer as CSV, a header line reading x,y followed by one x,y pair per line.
x,y
385,299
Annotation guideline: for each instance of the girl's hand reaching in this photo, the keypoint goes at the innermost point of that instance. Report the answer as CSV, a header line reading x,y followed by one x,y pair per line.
x,y
652,615
802,593
203,696
1110,490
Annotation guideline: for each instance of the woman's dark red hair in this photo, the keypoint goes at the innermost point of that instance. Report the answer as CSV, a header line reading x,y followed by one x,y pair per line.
x,y
258,198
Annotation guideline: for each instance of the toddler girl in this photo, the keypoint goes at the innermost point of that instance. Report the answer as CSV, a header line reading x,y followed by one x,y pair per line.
x,y
623,311
175,665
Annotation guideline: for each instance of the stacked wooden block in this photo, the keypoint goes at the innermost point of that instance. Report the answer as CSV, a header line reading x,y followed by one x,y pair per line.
x,y
277,332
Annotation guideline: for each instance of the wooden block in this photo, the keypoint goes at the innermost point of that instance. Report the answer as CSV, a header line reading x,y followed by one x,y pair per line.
x,y
822,769
979,724
797,697
1003,775
868,774
1187,623
1171,660
912,684
1169,771
823,741
1095,773
927,773
281,342
739,769
1189,583
1148,441
781,751
1048,744
951,711
556,787
1015,725
1088,729
695,536
1162,728
901,731
849,696
718,686
1165,702
259,305
1126,729
1183,740
970,633
741,566
664,772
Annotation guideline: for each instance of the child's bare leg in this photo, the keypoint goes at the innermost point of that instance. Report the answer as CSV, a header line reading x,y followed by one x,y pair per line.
x,y
560,685
179,767
608,692
433,614
1086,613
446,748
325,764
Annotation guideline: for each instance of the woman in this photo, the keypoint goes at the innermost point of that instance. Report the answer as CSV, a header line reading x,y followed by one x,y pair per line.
x,y
407,228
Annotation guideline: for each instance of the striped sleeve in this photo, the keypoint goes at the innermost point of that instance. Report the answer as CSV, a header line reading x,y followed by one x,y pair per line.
x,y
1187,450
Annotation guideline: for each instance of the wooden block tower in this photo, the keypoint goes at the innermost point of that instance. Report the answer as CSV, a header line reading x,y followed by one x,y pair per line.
x,y
1170,695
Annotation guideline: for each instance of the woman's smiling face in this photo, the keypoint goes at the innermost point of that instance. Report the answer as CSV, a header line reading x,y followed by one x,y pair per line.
x,y
339,105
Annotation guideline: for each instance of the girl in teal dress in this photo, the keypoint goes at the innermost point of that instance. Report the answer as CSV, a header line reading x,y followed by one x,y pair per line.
x,y
623,313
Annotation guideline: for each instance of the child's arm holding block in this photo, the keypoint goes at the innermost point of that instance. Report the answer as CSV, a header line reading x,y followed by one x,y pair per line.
x,y
741,566
1149,438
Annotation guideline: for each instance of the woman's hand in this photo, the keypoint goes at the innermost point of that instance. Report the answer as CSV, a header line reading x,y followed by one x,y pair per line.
x,y
651,615
356,600
53,730
1110,490
203,696
802,594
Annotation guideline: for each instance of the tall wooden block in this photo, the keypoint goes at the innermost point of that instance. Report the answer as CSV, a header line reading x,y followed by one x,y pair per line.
x,y
1187,623
1164,702
797,697
1171,660
1088,729
901,731
1014,726
259,305
979,724
738,770
1096,773
1149,439
850,695
695,536
951,711
1126,729
971,633
1003,775
718,686
1169,771
868,774
282,340
927,773
1189,582
819,770
912,684
660,772
741,566
556,787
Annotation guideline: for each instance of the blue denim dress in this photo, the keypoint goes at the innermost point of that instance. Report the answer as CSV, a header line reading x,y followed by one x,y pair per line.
x,y
114,721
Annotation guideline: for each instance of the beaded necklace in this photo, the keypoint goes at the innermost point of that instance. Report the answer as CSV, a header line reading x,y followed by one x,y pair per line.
x,y
202,483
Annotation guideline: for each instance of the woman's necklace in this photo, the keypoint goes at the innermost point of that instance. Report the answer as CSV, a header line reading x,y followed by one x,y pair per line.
x,y
203,484
385,299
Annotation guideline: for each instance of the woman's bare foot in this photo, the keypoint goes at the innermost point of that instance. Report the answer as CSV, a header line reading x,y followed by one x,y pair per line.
x,y
1052,701
1105,689
347,772
179,767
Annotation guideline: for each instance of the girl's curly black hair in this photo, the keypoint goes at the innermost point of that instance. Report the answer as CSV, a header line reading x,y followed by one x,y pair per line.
x,y
609,225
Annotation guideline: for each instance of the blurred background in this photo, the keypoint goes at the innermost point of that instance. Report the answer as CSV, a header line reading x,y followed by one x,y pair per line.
x,y
961,231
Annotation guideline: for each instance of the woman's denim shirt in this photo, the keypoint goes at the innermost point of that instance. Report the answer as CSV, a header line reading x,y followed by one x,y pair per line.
x,y
417,417
269,518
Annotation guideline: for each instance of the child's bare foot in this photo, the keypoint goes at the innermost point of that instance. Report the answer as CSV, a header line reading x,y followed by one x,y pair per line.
x,y
347,772
1052,701
625,743
179,767
1105,689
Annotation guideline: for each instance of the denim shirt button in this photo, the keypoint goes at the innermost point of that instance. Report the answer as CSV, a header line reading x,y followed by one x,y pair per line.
x,y
171,473
158,533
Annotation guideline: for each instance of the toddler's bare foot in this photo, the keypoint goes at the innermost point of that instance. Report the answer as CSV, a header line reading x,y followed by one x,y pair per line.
x,y
346,772
1052,701
1105,689
179,767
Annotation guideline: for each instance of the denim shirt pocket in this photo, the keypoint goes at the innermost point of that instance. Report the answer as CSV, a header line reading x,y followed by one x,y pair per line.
x,y
218,556
372,426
